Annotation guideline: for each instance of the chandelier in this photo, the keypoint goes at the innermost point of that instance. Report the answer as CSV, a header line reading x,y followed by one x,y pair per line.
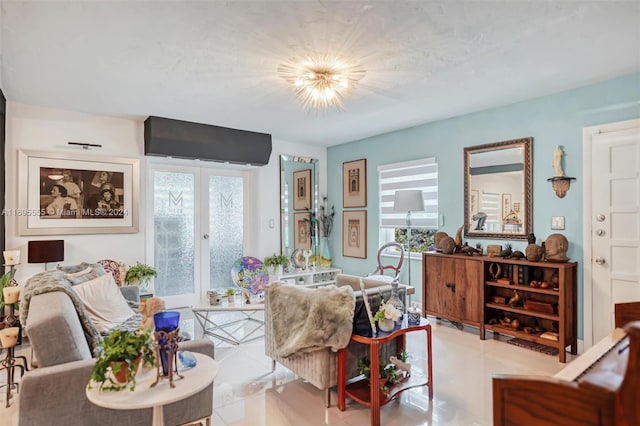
x,y
321,81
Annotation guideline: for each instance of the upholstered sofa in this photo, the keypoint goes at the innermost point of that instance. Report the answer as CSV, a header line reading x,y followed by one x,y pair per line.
x,y
54,393
320,367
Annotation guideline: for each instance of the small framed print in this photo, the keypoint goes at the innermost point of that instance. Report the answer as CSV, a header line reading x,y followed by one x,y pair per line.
x,y
301,234
354,233
302,193
354,183
506,205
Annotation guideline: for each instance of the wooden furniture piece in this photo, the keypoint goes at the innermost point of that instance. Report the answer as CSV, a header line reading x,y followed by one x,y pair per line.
x,y
144,396
600,388
359,389
452,287
552,308
476,290
626,312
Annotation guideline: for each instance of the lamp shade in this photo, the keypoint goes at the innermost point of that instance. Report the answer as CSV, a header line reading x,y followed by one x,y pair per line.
x,y
45,251
408,200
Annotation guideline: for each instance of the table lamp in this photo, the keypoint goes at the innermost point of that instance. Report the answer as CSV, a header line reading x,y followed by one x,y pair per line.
x,y
408,200
45,251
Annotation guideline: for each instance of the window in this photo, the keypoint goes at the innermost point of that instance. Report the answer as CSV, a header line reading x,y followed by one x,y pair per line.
x,y
415,174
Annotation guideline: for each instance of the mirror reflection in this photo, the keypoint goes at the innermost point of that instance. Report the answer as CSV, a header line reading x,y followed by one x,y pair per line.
x,y
498,192
298,196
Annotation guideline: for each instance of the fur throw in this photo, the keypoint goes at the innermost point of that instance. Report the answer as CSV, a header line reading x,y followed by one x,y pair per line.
x,y
308,319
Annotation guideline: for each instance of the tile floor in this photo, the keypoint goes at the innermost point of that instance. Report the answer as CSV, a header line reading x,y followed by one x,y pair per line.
x,y
247,393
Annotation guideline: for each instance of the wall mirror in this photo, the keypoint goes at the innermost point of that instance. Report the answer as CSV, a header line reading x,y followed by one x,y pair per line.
x,y
498,190
298,196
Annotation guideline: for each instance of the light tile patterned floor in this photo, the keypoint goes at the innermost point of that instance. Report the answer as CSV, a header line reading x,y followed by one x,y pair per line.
x,y
247,393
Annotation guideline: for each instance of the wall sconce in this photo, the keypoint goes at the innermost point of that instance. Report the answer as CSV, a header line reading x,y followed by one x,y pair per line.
x,y
559,182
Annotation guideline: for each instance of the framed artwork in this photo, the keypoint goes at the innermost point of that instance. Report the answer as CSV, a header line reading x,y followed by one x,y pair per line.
x,y
301,234
354,183
354,233
506,205
474,201
76,194
302,193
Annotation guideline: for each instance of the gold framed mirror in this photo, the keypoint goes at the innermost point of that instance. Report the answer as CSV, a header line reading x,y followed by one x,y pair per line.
x,y
498,189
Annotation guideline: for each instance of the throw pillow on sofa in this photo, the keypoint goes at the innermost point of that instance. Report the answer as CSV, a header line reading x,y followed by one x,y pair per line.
x,y
104,302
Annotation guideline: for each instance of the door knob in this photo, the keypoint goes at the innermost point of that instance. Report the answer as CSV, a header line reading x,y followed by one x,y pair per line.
x,y
600,232
205,236
599,261
600,218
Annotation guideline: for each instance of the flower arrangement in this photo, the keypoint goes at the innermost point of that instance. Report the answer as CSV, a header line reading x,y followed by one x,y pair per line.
x,y
387,312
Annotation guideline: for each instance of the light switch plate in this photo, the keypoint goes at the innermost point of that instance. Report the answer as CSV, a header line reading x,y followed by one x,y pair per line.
x,y
557,222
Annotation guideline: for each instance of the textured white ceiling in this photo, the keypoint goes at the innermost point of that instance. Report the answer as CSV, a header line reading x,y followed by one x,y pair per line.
x,y
215,61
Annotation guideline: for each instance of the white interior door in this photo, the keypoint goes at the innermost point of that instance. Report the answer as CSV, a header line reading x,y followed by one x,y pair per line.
x,y
614,224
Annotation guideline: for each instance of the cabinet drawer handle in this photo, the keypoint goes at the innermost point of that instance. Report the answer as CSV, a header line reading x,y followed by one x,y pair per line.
x,y
451,286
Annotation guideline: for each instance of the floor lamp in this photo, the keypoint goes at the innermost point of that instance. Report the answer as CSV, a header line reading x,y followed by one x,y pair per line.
x,y
408,200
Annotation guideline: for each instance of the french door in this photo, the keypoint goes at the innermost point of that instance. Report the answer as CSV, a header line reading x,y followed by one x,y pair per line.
x,y
198,230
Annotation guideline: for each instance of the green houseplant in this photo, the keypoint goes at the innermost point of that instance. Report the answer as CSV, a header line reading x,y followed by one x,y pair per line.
x,y
140,274
276,262
4,281
120,353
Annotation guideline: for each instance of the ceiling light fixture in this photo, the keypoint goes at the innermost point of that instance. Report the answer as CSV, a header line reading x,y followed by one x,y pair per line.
x,y
321,81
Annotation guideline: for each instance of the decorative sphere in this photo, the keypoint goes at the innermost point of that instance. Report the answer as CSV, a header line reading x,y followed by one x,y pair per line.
x,y
249,274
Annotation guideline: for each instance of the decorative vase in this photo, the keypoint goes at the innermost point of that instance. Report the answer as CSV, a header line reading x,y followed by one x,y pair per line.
x,y
386,325
166,321
326,250
123,372
231,298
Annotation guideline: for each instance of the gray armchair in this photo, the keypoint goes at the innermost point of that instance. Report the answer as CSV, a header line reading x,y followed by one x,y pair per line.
x,y
54,394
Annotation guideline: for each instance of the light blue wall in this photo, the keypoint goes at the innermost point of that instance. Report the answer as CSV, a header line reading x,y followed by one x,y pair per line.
x,y
551,120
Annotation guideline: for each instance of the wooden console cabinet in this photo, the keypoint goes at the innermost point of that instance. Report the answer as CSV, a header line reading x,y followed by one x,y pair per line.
x,y
466,289
452,287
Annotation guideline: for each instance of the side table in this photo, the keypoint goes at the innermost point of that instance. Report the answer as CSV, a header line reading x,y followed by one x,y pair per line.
x,y
370,395
206,316
195,379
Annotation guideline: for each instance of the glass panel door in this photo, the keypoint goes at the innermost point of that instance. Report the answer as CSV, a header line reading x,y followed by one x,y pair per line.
x,y
198,225
174,248
225,218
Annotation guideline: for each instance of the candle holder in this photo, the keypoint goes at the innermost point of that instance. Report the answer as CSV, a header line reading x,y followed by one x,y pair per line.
x,y
166,346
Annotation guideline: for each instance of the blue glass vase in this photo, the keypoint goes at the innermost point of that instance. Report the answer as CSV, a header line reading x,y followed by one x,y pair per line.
x,y
326,250
166,321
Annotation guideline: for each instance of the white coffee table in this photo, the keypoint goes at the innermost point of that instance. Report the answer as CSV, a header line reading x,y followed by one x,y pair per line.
x,y
217,325
195,379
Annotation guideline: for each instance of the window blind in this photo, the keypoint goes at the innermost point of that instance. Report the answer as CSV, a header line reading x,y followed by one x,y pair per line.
x,y
415,174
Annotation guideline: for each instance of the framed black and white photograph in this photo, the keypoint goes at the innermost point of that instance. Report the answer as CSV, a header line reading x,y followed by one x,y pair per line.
x,y
77,194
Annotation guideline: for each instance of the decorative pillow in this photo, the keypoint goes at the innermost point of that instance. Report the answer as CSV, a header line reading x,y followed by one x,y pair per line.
x,y
88,274
114,268
104,302
72,269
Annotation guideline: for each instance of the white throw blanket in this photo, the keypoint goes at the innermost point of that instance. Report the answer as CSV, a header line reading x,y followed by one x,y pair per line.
x,y
305,319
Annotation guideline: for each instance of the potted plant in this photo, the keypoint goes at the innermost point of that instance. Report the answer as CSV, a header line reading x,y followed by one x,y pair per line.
x,y
386,317
119,357
231,295
388,374
140,274
276,263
